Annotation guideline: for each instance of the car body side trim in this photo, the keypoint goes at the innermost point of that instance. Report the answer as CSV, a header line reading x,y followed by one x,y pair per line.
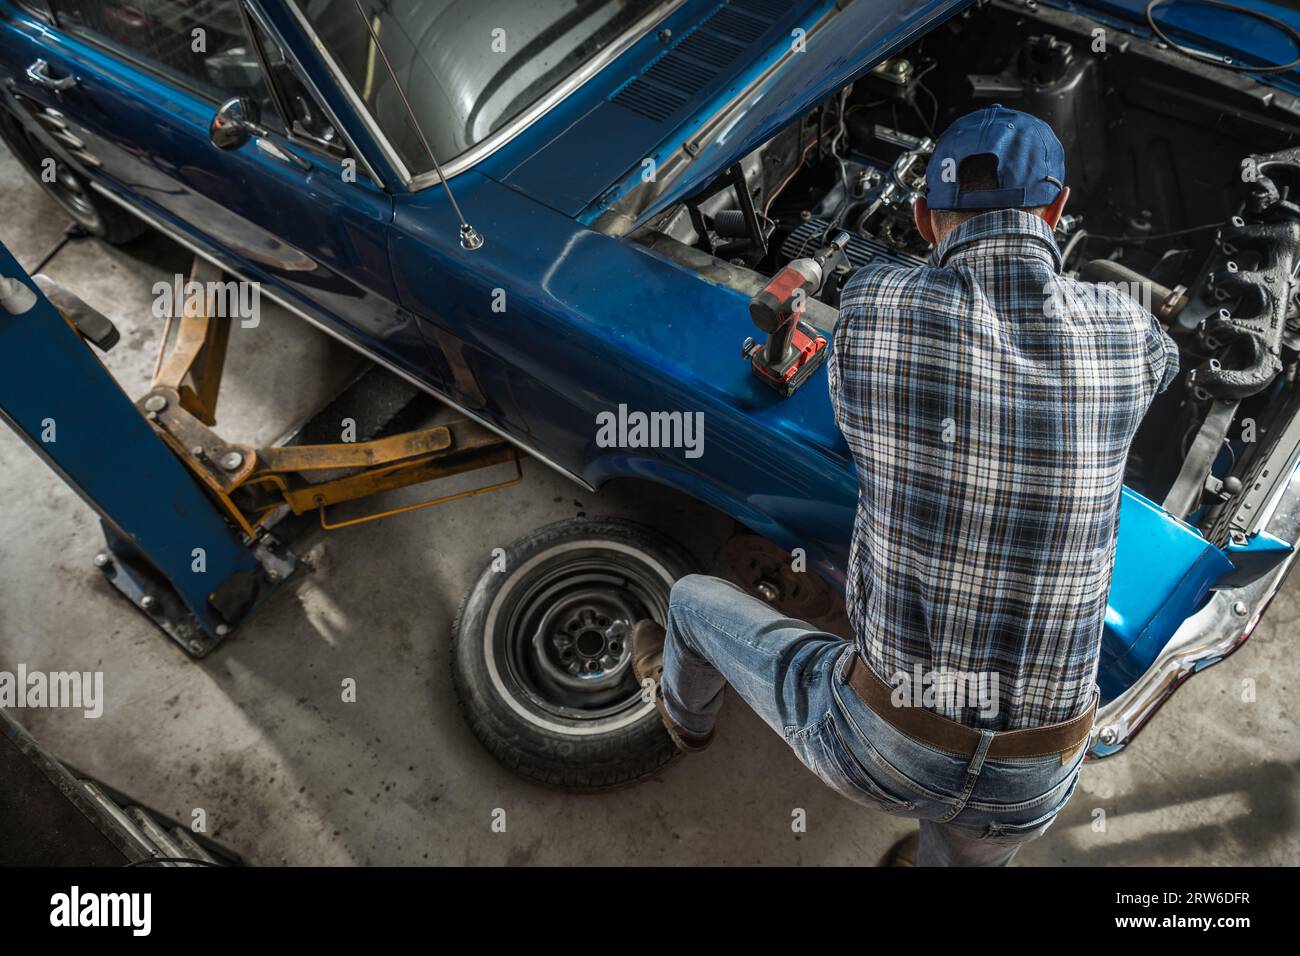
x,y
490,144
306,316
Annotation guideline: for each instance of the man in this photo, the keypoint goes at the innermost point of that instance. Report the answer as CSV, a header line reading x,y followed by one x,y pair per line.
x,y
989,403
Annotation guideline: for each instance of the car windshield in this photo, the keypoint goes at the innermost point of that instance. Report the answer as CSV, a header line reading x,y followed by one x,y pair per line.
x,y
468,67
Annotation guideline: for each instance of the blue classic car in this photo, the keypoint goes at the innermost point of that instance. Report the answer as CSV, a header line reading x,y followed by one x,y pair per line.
x,y
628,178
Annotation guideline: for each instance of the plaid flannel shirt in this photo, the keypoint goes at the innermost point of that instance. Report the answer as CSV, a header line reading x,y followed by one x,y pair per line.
x,y
989,403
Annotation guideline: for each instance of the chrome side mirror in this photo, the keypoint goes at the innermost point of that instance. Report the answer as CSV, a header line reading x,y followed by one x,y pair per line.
x,y
235,123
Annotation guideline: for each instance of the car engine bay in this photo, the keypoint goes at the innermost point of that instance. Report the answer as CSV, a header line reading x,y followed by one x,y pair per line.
x,y
1183,182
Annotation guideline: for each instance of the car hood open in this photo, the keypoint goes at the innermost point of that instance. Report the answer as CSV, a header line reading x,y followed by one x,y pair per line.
x,y
841,42
827,44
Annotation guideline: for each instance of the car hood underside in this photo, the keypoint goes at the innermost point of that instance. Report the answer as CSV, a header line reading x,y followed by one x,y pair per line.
x,y
731,75
735,72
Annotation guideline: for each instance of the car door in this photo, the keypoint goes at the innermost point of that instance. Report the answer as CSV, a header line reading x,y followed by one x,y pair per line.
x,y
140,83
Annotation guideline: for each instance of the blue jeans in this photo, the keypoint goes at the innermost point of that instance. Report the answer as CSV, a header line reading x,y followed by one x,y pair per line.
x,y
972,811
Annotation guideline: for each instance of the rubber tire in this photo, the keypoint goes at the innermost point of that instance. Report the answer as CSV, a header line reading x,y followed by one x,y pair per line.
x,y
114,224
602,761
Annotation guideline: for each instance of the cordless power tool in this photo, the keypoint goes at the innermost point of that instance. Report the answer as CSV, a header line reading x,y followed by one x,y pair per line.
x,y
794,349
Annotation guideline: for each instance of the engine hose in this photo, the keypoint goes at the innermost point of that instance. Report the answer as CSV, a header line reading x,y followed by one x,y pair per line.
x,y
1160,300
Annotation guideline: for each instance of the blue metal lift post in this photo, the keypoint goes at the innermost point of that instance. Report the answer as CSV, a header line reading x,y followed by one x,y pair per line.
x,y
170,548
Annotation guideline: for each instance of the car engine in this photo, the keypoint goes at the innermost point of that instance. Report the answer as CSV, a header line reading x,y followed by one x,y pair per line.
x,y
1185,194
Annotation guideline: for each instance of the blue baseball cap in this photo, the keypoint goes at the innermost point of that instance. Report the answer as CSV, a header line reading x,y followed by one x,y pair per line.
x,y
1031,161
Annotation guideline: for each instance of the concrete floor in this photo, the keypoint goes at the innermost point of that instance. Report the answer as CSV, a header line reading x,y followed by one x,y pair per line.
x,y
258,737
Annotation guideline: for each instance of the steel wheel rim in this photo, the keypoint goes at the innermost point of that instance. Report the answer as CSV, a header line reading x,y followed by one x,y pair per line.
x,y
70,187
67,188
578,585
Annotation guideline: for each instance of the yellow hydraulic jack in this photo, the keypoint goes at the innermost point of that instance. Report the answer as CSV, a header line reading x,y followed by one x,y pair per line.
x,y
256,485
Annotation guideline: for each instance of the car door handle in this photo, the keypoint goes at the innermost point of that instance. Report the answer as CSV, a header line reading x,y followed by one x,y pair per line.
x,y
39,74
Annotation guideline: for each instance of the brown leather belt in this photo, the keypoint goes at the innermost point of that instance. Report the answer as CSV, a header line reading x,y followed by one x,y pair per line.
x,y
951,737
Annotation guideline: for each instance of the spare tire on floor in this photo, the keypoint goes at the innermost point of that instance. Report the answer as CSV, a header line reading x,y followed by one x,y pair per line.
x,y
540,652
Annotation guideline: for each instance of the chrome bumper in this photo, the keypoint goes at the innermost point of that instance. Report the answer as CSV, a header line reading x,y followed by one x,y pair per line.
x,y
1205,638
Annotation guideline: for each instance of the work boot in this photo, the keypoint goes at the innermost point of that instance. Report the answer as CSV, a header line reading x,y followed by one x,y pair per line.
x,y
648,661
903,853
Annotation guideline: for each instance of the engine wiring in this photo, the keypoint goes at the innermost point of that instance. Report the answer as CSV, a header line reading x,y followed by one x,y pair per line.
x,y
841,133
1076,240
934,113
1155,236
841,130
793,173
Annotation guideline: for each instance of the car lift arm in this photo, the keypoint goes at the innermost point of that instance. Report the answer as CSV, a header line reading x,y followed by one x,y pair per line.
x,y
197,557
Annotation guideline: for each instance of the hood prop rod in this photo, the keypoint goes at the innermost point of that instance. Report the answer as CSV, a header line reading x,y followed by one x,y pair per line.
x,y
469,236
